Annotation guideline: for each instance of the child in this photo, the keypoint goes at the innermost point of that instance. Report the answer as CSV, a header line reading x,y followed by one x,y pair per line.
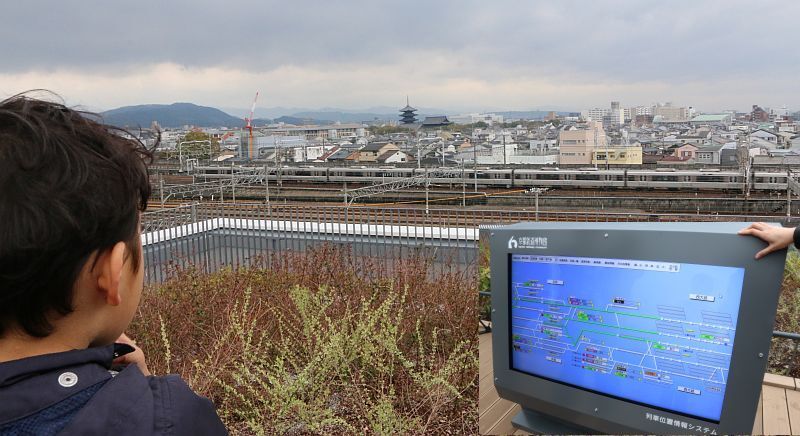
x,y
71,275
777,238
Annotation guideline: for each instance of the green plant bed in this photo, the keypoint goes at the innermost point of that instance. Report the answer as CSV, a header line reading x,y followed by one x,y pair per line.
x,y
784,357
321,342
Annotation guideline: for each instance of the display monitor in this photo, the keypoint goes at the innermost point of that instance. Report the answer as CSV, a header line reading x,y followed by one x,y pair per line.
x,y
634,327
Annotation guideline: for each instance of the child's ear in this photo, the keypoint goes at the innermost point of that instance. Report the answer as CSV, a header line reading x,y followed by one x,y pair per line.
x,y
109,271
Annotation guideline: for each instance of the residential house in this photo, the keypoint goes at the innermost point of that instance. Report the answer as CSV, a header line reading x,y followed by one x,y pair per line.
x,y
699,139
394,156
708,155
329,153
311,152
728,155
685,151
370,152
765,135
341,155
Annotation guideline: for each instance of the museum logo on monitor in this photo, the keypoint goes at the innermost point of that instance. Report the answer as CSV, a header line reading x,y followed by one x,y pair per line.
x,y
539,242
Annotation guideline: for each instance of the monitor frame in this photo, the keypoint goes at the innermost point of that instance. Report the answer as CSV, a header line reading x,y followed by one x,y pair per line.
x,y
694,243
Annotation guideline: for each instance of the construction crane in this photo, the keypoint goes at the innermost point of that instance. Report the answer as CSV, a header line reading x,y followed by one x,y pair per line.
x,y
249,126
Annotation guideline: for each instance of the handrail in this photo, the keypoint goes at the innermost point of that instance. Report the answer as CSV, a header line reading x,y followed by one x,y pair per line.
x,y
786,335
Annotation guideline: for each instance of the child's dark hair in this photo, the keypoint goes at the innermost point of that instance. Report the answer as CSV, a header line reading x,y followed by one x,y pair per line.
x,y
69,186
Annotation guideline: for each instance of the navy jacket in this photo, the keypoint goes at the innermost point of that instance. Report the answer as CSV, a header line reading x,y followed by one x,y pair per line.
x,y
74,393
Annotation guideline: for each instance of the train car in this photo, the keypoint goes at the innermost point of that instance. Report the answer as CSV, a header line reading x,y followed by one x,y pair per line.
x,y
685,179
590,178
459,175
495,177
303,174
211,170
390,174
769,181
580,178
369,175
345,175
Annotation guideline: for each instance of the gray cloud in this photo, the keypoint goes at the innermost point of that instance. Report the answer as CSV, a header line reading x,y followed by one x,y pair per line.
x,y
610,42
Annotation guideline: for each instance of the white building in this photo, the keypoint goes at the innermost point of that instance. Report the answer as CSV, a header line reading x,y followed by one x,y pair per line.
x,y
638,110
474,118
595,114
310,152
493,154
333,131
670,113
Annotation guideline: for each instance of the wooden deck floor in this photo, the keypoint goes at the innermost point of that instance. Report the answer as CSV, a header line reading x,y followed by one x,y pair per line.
x,y
778,408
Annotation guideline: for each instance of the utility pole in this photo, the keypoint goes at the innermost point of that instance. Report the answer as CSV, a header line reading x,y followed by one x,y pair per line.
x,y
233,183
419,155
266,183
504,146
427,188
594,147
463,185
537,191
789,187
278,160
607,157
747,166
475,165
161,188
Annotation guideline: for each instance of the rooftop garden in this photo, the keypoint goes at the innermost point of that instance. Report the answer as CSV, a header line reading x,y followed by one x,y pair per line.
x,y
321,342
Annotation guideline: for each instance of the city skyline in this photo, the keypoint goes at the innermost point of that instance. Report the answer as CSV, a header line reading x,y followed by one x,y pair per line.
x,y
461,56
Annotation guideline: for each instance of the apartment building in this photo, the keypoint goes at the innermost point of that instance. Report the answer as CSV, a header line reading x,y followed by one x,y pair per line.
x,y
577,144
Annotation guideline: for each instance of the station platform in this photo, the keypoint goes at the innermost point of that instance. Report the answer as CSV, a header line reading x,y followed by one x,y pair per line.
x,y
778,408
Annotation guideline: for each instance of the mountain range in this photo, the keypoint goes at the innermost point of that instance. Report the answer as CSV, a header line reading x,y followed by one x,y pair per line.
x,y
171,115
177,115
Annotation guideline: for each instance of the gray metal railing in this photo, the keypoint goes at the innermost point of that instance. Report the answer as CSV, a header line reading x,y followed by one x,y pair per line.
x,y
211,236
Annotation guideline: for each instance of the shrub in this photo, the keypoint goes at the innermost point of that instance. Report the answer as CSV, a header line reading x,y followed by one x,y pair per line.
x,y
783,356
321,342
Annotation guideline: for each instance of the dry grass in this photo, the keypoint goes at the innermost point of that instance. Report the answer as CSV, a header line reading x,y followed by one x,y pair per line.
x,y
321,342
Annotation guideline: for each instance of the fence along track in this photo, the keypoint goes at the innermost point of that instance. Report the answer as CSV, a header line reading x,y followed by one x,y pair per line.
x,y
406,215
212,235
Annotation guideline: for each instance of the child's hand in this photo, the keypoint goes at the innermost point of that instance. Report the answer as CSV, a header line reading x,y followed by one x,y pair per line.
x,y
136,357
777,237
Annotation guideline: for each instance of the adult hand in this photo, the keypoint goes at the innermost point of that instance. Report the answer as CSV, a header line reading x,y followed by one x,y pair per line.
x,y
136,357
777,237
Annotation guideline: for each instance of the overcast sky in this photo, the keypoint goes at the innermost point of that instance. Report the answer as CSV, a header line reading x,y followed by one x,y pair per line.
x,y
461,55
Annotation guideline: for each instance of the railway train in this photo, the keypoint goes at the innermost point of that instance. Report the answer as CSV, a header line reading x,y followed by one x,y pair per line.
x,y
675,179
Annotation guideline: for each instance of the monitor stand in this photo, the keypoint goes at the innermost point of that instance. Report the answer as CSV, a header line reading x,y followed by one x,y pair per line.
x,y
539,423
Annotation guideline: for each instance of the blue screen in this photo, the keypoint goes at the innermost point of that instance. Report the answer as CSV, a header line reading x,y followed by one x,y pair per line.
x,y
655,333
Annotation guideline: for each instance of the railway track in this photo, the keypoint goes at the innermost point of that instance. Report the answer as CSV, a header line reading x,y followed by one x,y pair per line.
x,y
288,186
411,215
555,194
